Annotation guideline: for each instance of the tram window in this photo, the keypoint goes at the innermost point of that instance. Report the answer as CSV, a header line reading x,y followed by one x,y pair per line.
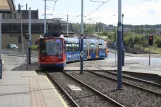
x,y
100,46
85,47
92,47
72,47
77,47
67,47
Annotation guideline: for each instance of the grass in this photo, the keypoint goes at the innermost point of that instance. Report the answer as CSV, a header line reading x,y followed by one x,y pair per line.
x,y
154,50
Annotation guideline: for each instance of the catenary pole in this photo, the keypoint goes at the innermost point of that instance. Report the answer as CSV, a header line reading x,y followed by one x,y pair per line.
x,y
67,25
22,42
82,44
0,45
45,18
119,40
29,41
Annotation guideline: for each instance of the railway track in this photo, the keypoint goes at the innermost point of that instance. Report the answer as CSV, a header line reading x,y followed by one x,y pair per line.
x,y
114,73
130,96
143,85
87,96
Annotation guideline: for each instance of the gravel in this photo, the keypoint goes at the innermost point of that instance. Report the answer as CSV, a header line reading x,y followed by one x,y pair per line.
x,y
85,97
129,96
133,82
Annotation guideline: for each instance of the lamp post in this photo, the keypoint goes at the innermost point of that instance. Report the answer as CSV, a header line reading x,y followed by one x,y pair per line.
x,y
67,25
22,44
119,40
123,50
82,44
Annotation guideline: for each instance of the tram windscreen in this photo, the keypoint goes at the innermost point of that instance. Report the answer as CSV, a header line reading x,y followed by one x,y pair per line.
x,y
51,47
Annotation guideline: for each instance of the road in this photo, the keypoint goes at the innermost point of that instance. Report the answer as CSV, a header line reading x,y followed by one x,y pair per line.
x,y
110,61
136,58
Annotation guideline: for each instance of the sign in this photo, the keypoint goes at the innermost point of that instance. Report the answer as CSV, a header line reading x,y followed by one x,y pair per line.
x,y
114,44
119,28
81,54
29,43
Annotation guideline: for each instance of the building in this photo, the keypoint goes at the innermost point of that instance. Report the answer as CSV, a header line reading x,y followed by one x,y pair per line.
x,y
11,26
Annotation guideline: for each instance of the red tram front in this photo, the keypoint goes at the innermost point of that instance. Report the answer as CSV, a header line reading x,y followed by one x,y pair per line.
x,y
51,52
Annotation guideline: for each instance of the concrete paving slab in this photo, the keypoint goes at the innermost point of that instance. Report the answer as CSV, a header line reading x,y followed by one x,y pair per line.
x,y
27,89
71,68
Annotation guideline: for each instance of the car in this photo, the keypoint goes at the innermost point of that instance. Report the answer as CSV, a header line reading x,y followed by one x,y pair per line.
x,y
12,46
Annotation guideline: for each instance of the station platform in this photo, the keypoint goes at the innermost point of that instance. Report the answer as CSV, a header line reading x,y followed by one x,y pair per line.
x,y
27,89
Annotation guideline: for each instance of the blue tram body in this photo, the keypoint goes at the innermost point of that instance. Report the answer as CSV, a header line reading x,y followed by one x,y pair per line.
x,y
69,51
93,49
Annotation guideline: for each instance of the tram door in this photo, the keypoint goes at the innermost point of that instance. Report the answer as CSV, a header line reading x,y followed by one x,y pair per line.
x,y
93,50
85,51
88,51
97,50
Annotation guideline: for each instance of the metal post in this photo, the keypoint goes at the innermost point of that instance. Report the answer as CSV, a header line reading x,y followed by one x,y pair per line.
x,y
22,43
149,55
82,44
119,40
123,50
67,25
98,30
133,37
93,27
86,28
45,18
0,45
29,41
115,48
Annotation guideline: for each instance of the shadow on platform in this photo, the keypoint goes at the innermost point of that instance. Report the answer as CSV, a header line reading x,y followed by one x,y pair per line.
x,y
26,67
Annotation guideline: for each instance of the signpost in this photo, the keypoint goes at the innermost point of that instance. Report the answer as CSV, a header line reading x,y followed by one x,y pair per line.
x,y
82,36
150,44
119,40
29,41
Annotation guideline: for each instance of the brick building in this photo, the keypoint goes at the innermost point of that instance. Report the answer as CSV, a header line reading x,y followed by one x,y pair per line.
x,y
11,26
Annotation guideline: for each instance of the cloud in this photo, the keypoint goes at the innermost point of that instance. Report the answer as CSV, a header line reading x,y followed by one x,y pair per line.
x,y
142,12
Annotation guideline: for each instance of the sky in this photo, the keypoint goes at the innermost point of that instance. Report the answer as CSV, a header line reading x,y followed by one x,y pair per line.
x,y
136,12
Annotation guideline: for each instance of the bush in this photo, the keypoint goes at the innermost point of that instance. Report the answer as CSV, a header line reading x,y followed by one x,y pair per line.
x,y
34,47
158,41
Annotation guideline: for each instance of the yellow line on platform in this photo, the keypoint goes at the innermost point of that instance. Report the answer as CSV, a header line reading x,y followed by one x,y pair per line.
x,y
61,99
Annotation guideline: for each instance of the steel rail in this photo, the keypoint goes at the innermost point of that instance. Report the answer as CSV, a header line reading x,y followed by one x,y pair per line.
x,y
152,92
73,103
96,91
136,79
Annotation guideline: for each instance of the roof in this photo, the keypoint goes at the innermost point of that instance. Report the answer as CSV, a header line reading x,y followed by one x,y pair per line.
x,y
32,21
7,6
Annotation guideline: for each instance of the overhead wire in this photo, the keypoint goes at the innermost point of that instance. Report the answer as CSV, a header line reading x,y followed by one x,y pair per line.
x,y
97,7
54,7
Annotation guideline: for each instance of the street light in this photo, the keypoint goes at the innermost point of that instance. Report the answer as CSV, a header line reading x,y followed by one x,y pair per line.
x,y
22,44
82,44
119,66
123,50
